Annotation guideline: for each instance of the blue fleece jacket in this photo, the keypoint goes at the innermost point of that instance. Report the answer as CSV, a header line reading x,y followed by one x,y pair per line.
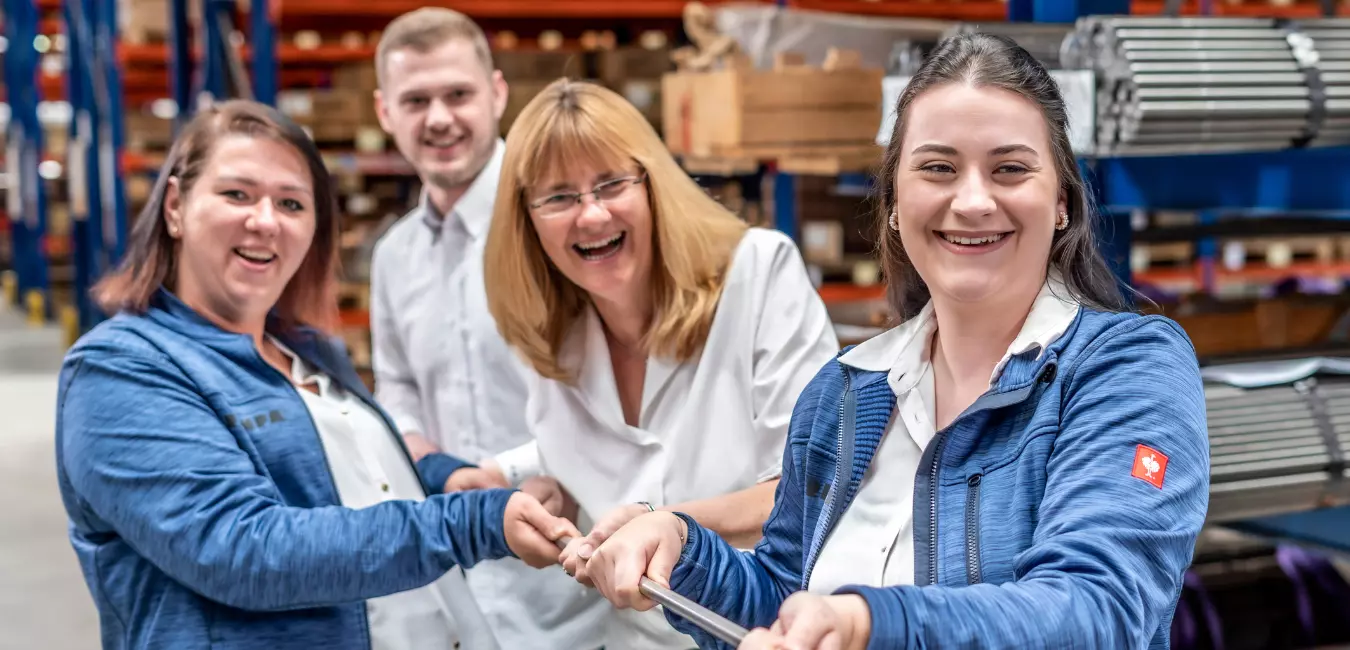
x,y
1033,526
201,505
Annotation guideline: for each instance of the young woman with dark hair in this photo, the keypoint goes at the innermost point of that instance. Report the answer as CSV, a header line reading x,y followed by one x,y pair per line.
x,y
1021,462
229,481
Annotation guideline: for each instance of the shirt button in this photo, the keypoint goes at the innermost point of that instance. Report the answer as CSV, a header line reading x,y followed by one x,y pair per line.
x,y
384,487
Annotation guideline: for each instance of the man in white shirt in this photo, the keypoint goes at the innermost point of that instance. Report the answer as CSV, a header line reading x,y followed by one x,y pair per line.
x,y
441,368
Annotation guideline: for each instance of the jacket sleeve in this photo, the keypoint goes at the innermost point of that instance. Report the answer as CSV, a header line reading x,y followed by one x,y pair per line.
x,y
1109,551
435,469
749,588
793,339
395,387
150,460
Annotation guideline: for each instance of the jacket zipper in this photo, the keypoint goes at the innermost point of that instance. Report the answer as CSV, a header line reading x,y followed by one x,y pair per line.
x,y
1046,376
932,511
822,530
973,529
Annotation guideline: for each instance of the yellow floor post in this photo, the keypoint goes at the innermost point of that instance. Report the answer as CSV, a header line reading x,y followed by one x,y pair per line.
x,y
70,325
37,308
9,286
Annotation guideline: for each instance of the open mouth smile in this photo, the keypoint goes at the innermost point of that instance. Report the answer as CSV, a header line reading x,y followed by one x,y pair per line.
x,y
594,251
972,242
255,256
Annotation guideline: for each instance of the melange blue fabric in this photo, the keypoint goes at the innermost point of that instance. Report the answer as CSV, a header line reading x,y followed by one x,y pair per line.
x,y
202,508
1030,529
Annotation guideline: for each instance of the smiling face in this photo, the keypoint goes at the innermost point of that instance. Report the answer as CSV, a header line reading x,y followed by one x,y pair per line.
x,y
442,106
977,193
242,229
602,245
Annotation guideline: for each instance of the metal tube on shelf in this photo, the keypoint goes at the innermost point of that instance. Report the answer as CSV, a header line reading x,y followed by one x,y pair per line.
x,y
1213,126
1215,44
1206,55
1254,33
1201,85
1222,92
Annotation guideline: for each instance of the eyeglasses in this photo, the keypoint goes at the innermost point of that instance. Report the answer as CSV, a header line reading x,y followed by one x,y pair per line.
x,y
569,203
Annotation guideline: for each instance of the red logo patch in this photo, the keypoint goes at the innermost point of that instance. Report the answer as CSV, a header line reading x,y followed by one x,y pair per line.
x,y
1150,465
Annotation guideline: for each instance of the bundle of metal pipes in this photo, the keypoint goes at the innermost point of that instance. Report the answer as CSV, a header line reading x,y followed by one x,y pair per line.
x,y
1198,85
1276,447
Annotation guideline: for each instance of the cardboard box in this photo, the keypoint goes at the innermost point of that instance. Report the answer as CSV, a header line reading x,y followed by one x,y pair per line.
x,y
145,132
519,94
614,67
533,65
740,111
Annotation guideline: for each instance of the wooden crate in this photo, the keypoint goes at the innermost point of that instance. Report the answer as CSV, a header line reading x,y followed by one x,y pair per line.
x,y
741,112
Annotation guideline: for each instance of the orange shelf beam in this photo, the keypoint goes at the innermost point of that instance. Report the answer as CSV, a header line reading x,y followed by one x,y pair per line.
x,y
1249,273
1244,10
530,9
965,10
287,54
843,292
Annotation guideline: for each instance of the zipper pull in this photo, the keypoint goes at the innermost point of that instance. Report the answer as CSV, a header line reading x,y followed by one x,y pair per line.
x,y
974,481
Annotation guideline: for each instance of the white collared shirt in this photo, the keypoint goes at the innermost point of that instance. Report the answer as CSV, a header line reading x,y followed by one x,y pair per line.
x,y
370,467
873,543
443,370
706,428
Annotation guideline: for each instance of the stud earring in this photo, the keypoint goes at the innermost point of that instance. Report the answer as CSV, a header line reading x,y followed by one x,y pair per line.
x,y
1063,221
892,222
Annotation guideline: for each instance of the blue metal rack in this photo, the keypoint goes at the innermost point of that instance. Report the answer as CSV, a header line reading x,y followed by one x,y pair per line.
x,y
27,196
97,200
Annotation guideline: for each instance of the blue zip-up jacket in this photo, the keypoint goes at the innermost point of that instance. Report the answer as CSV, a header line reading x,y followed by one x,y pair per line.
x,y
202,508
1030,528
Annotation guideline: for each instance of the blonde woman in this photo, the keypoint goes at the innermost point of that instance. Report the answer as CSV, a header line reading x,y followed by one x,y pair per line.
x,y
669,340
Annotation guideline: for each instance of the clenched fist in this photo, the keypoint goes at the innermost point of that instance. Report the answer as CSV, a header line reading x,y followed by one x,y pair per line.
x,y
531,530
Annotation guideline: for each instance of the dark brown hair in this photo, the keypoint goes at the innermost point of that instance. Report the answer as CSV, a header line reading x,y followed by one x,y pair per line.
x,y
310,296
998,62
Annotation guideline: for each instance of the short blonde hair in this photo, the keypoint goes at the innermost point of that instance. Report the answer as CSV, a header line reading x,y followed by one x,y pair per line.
x,y
695,237
425,29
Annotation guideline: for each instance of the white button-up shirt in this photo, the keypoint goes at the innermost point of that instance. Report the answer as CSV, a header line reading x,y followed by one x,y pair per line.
x,y
443,370
369,467
706,428
873,543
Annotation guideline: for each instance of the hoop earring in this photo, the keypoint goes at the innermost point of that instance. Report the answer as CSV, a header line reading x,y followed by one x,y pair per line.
x,y
1063,221
892,222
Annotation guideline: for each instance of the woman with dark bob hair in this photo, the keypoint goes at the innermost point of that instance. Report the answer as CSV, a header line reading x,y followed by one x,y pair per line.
x,y
1020,463
230,482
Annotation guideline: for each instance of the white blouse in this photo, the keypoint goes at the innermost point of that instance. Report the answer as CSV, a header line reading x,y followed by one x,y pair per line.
x,y
707,427
873,543
369,467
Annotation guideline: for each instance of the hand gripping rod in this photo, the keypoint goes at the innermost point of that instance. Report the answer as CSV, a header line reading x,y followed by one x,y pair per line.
x,y
708,620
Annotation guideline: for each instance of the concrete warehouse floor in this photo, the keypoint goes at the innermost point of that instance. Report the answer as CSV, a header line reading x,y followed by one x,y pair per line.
x,y
43,600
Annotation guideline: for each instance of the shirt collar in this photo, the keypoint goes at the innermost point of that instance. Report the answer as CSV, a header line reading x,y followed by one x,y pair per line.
x,y
474,208
302,373
903,351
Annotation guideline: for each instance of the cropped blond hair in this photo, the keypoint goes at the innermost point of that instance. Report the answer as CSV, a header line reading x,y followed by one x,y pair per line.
x,y
694,236
425,29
